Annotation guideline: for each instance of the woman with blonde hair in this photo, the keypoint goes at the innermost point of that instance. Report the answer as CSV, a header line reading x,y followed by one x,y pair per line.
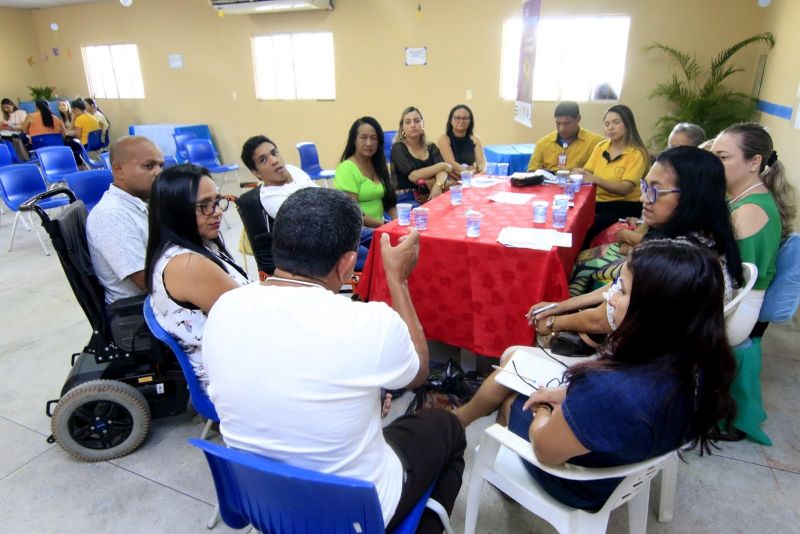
x,y
762,205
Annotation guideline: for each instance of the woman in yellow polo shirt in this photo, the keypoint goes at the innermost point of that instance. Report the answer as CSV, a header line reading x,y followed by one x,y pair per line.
x,y
616,165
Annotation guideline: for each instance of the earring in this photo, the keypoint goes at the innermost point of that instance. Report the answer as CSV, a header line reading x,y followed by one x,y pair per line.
x,y
403,134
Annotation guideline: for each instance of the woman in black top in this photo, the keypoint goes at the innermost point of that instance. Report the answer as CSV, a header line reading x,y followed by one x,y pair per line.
x,y
414,159
460,147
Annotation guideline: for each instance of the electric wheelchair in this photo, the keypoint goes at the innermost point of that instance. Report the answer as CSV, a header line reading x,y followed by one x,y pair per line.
x,y
123,377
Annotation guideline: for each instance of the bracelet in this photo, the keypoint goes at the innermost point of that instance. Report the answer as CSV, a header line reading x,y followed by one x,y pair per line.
x,y
548,407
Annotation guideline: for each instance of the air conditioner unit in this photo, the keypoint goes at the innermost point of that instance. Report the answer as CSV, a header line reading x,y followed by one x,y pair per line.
x,y
255,7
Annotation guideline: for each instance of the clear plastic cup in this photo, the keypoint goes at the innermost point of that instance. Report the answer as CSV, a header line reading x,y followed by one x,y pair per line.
x,y
491,169
456,195
540,211
404,214
474,223
466,178
502,169
560,201
575,183
421,218
559,217
563,177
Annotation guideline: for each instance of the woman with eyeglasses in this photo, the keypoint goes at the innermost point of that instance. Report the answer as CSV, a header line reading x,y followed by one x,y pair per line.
x,y
683,195
459,145
616,166
187,267
656,386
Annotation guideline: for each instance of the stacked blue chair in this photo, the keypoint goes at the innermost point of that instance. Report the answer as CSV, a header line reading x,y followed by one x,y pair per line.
x,y
106,159
201,152
5,156
87,160
276,497
309,162
45,140
180,145
94,143
89,186
57,162
19,183
388,138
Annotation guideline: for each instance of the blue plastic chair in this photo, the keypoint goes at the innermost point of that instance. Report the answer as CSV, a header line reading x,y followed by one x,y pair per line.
x,y
309,162
89,186
57,162
200,399
170,161
180,145
105,157
19,183
275,497
95,141
388,138
88,160
201,152
45,140
5,155
11,150
783,294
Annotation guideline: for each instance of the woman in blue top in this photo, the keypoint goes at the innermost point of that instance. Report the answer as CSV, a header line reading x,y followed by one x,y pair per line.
x,y
662,380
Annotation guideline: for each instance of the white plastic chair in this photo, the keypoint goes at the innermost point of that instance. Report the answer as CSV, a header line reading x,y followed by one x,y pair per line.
x,y
498,461
737,326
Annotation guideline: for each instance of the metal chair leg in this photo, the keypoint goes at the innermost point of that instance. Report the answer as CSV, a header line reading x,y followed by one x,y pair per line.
x,y
206,429
214,519
14,230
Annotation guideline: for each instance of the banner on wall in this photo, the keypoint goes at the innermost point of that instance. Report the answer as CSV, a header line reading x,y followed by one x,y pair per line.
x,y
523,111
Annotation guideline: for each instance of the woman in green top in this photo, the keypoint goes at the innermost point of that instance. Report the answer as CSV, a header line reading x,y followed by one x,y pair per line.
x,y
762,209
363,173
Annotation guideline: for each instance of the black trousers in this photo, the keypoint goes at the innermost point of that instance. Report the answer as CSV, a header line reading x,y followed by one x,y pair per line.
x,y
607,213
430,445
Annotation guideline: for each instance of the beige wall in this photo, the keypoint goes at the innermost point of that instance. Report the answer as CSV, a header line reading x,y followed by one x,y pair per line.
x,y
781,80
463,40
18,43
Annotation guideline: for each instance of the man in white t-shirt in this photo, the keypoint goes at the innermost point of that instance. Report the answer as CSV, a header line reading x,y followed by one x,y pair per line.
x,y
262,157
302,386
116,228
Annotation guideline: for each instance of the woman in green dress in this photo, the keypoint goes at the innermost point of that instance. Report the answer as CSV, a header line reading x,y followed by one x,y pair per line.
x,y
762,206
363,173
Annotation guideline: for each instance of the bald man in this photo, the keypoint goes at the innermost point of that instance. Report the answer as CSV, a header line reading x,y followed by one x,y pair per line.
x,y
116,228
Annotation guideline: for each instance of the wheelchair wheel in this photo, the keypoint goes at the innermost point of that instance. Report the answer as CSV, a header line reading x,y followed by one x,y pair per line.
x,y
101,420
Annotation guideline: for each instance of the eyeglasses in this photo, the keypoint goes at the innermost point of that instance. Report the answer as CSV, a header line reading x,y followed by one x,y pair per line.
x,y
208,207
461,119
651,193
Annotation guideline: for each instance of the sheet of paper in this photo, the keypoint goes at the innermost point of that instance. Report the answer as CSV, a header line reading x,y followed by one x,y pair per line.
x,y
534,238
482,182
531,366
505,197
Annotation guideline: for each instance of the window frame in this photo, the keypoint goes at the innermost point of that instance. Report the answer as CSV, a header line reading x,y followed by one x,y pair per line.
x,y
117,74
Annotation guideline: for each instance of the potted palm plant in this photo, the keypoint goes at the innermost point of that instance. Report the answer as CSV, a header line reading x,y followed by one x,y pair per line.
x,y
41,93
697,93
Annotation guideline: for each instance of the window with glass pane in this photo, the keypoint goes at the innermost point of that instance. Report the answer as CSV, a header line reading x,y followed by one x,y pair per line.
x,y
297,66
577,58
113,71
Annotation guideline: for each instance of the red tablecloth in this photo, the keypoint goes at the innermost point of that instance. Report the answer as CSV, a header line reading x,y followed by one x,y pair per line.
x,y
473,292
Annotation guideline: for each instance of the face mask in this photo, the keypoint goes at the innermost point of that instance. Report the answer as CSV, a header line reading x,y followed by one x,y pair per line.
x,y
610,307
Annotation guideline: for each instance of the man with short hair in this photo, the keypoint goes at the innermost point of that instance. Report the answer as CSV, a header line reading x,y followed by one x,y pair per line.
x,y
303,385
568,147
262,157
116,228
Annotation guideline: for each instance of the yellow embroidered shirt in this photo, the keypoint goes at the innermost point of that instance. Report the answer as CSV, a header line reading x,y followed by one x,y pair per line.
x,y
629,166
548,149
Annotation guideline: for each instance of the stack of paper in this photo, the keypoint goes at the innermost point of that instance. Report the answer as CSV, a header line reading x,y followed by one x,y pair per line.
x,y
505,197
482,182
534,238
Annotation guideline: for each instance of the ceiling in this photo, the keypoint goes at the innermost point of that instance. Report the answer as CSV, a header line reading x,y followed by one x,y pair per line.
x,y
29,4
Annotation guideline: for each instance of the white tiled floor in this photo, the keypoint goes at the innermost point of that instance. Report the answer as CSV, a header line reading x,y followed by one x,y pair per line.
x,y
165,485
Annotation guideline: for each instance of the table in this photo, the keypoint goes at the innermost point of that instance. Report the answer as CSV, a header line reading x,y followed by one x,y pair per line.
x,y
474,292
517,156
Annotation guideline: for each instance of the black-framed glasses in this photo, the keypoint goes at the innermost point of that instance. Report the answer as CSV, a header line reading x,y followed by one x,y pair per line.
x,y
651,193
208,207
461,119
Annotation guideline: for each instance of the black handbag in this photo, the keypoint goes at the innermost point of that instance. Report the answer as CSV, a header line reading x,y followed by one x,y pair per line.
x,y
570,344
527,181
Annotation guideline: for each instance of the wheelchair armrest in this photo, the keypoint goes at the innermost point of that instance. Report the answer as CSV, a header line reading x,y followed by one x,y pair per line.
x,y
127,306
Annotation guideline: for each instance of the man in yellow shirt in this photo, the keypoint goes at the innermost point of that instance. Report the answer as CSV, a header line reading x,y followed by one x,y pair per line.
x,y
82,122
569,146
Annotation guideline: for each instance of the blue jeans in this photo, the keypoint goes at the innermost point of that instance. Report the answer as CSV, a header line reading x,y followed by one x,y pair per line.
x,y
363,247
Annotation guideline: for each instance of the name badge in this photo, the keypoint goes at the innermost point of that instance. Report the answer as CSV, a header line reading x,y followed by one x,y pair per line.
x,y
562,159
